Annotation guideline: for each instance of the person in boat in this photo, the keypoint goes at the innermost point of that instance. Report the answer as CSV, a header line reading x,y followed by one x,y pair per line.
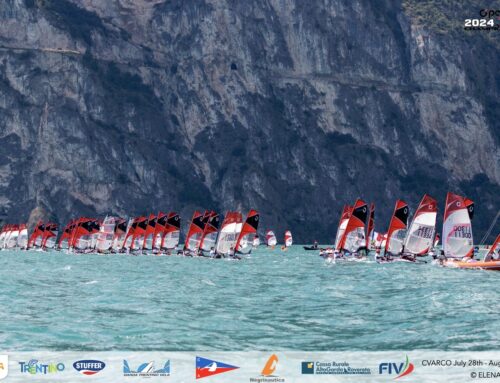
x,y
212,252
315,244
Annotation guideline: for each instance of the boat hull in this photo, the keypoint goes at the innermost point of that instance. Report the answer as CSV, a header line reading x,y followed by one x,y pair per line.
x,y
491,265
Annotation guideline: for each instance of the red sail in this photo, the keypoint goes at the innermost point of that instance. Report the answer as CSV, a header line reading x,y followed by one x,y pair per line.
x,y
248,232
130,234
371,225
172,231
211,223
139,232
355,225
494,247
469,204
66,234
344,218
37,233
195,232
399,221
160,226
49,232
150,233
85,227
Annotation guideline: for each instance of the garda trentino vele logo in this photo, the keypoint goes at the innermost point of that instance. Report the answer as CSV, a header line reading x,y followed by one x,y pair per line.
x,y
89,367
146,369
33,367
4,366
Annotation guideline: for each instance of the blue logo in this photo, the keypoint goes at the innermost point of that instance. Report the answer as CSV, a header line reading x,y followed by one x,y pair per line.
x,y
89,367
400,369
308,368
146,369
208,367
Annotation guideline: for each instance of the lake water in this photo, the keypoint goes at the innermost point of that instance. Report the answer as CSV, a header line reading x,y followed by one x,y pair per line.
x,y
273,300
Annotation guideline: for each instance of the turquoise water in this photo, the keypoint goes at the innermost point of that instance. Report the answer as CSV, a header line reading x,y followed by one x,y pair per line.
x,y
271,301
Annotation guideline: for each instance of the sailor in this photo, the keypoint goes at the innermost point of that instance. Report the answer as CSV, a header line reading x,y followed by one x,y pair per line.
x,y
315,245
212,252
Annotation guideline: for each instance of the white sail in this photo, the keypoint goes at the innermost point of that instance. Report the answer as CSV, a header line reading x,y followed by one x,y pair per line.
x,y
421,233
457,231
288,238
171,240
355,239
106,234
209,241
228,237
271,238
22,240
11,241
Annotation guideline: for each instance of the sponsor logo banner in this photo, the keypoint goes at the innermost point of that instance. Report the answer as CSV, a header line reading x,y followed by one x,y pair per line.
x,y
89,367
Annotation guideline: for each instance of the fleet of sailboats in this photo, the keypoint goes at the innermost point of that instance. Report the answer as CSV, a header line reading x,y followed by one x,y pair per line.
x,y
408,237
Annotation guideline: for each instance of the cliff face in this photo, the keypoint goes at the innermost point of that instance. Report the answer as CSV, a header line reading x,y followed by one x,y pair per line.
x,y
290,107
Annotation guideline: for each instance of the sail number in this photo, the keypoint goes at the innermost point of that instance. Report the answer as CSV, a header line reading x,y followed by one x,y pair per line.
x,y
462,231
425,232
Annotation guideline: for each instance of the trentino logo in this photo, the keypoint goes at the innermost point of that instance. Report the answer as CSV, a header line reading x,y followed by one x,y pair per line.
x,y
89,367
208,367
33,367
4,366
146,369
402,369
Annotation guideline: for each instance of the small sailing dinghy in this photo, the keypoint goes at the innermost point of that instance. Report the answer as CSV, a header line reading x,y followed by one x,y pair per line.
x,y
106,235
420,235
244,244
353,240
195,232
171,233
288,240
458,248
210,233
229,234
271,239
396,235
22,240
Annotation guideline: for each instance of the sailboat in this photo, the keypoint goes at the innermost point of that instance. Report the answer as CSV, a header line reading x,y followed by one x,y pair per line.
x,y
344,218
106,235
210,232
139,233
22,240
11,237
149,236
120,232
171,233
229,233
195,232
65,239
397,231
370,229
353,240
420,235
49,238
244,244
288,240
129,236
35,240
271,239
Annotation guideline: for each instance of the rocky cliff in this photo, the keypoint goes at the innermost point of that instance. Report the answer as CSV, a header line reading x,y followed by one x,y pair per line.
x,y
290,107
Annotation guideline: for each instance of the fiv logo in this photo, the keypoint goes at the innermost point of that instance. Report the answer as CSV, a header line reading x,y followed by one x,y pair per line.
x,y
4,366
400,369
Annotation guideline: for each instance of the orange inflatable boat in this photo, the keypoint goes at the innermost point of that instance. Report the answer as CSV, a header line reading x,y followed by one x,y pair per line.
x,y
488,265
